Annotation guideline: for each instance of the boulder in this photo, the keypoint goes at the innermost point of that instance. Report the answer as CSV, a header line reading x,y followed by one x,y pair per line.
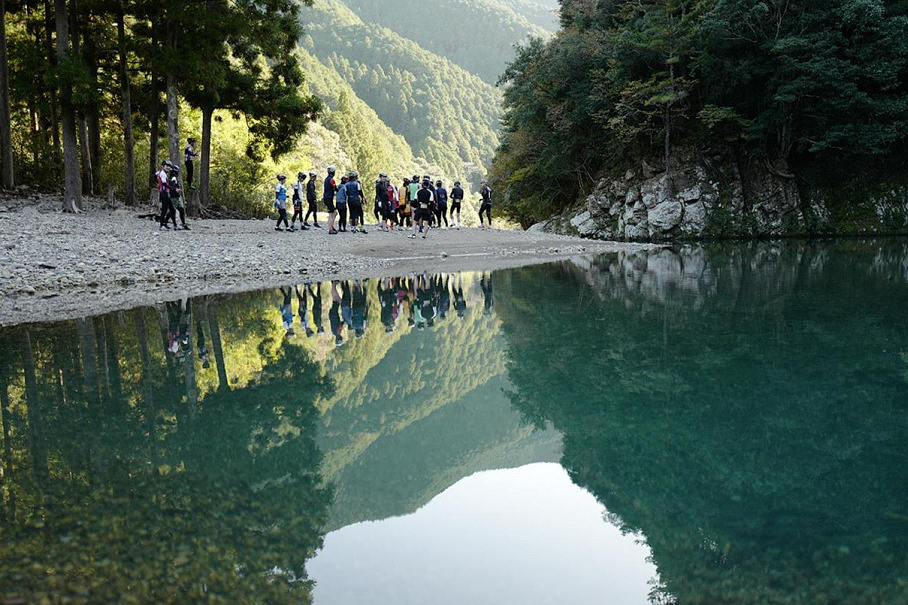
x,y
666,216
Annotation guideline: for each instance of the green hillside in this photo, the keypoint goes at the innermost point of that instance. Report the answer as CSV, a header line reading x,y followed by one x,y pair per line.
x,y
447,115
542,13
478,35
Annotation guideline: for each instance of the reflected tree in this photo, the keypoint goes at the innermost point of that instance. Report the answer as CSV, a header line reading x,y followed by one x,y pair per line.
x,y
224,505
762,464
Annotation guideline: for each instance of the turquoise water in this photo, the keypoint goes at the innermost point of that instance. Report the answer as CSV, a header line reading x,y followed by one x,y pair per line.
x,y
701,425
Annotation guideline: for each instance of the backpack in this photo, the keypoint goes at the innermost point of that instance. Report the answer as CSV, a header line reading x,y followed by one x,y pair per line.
x,y
352,192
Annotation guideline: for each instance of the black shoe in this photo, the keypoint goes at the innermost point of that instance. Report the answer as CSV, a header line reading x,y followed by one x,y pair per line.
x,y
186,228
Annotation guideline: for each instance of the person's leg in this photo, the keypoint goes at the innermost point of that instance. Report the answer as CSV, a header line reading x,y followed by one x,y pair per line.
x,y
489,215
343,217
189,167
183,217
164,201
314,209
172,213
444,215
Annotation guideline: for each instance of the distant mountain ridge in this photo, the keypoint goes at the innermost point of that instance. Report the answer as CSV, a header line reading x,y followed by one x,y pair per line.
x,y
406,93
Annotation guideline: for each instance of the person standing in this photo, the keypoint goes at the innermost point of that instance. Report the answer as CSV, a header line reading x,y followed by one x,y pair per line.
x,y
405,203
280,203
383,200
393,203
355,202
456,201
486,205
312,200
163,179
328,194
298,192
441,203
189,157
176,198
341,206
422,212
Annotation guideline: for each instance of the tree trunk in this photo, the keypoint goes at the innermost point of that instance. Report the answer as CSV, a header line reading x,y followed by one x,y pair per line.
x,y
204,163
112,357
72,183
7,178
130,195
215,332
173,121
52,61
35,131
138,317
33,410
84,154
154,112
88,346
93,122
173,104
7,448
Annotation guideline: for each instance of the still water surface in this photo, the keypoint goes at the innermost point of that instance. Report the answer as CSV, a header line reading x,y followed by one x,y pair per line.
x,y
702,425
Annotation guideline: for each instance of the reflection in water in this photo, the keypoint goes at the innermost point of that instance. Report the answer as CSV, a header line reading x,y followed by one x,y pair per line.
x,y
740,407
745,410
511,537
137,461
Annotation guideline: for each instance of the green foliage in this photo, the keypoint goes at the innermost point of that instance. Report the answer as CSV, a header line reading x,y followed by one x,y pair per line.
x,y
447,115
477,35
802,85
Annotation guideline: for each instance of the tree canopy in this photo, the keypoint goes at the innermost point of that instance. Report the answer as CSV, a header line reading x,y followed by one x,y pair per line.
x,y
798,84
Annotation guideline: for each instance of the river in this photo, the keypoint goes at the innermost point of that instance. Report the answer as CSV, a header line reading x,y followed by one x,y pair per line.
x,y
722,423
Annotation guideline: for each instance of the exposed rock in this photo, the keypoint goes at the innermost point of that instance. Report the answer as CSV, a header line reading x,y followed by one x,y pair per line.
x,y
665,216
584,224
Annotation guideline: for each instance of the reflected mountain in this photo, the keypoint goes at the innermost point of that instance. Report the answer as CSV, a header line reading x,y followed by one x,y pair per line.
x,y
201,449
744,407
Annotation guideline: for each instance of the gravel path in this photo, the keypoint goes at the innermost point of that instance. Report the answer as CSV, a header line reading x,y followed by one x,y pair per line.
x,y
56,266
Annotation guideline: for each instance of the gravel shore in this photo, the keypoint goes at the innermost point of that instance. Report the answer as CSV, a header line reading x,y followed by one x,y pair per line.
x,y
56,266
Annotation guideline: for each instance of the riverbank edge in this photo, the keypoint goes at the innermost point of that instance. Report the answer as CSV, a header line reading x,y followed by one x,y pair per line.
x,y
58,267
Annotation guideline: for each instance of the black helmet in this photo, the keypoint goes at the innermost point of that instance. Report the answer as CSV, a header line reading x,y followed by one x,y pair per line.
x,y
301,176
175,169
382,175
415,178
457,183
438,183
191,140
281,177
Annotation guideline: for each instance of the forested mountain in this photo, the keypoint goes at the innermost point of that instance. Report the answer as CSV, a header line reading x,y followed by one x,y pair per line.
x,y
478,35
447,115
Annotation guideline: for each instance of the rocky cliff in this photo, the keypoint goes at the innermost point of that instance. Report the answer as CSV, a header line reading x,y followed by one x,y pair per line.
x,y
723,194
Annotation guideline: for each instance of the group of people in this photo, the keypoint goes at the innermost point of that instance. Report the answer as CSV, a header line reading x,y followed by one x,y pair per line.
x,y
418,203
170,188
420,300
